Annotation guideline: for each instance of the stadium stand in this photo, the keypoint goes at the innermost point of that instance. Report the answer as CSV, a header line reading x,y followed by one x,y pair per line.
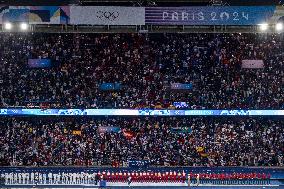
x,y
142,93
169,141
138,70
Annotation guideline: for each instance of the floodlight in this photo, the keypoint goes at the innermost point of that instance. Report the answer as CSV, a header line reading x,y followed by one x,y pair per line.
x,y
8,26
279,27
263,27
24,26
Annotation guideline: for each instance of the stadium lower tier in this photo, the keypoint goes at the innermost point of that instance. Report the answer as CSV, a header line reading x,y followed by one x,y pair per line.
x,y
153,141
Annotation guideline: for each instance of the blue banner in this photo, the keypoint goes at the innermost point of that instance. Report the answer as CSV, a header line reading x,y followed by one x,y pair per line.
x,y
16,15
36,14
110,86
39,63
133,112
213,15
180,105
108,129
181,86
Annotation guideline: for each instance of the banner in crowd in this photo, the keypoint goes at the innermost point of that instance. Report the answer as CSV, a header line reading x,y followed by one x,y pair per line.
x,y
201,151
36,14
76,132
108,129
138,163
252,64
39,63
135,112
213,15
181,130
180,105
110,86
180,86
128,134
107,15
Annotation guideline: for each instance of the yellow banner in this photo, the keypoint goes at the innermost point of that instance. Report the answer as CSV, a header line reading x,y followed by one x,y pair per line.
x,y
76,132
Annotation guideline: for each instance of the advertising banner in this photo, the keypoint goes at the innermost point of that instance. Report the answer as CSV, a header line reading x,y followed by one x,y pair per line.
x,y
115,15
107,15
213,15
37,14
135,112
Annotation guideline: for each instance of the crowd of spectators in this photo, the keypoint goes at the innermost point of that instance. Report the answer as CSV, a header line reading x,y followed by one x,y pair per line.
x,y
162,141
145,65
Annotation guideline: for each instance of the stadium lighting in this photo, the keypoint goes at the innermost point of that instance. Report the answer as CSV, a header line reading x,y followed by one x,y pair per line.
x,y
24,26
263,27
8,26
279,27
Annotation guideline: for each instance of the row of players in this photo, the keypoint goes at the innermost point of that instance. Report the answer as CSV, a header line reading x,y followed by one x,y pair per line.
x,y
93,178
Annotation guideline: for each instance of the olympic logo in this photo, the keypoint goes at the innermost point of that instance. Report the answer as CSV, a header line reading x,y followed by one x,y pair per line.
x,y
107,15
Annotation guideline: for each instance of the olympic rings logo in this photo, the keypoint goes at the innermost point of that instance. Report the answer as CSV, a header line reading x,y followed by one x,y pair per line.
x,y
107,15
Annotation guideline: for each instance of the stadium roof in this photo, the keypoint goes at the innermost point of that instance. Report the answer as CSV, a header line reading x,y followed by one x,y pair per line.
x,y
143,2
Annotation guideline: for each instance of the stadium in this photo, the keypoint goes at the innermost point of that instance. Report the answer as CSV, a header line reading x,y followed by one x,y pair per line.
x,y
158,94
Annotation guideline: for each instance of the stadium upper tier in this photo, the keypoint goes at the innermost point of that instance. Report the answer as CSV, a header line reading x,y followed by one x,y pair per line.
x,y
204,71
